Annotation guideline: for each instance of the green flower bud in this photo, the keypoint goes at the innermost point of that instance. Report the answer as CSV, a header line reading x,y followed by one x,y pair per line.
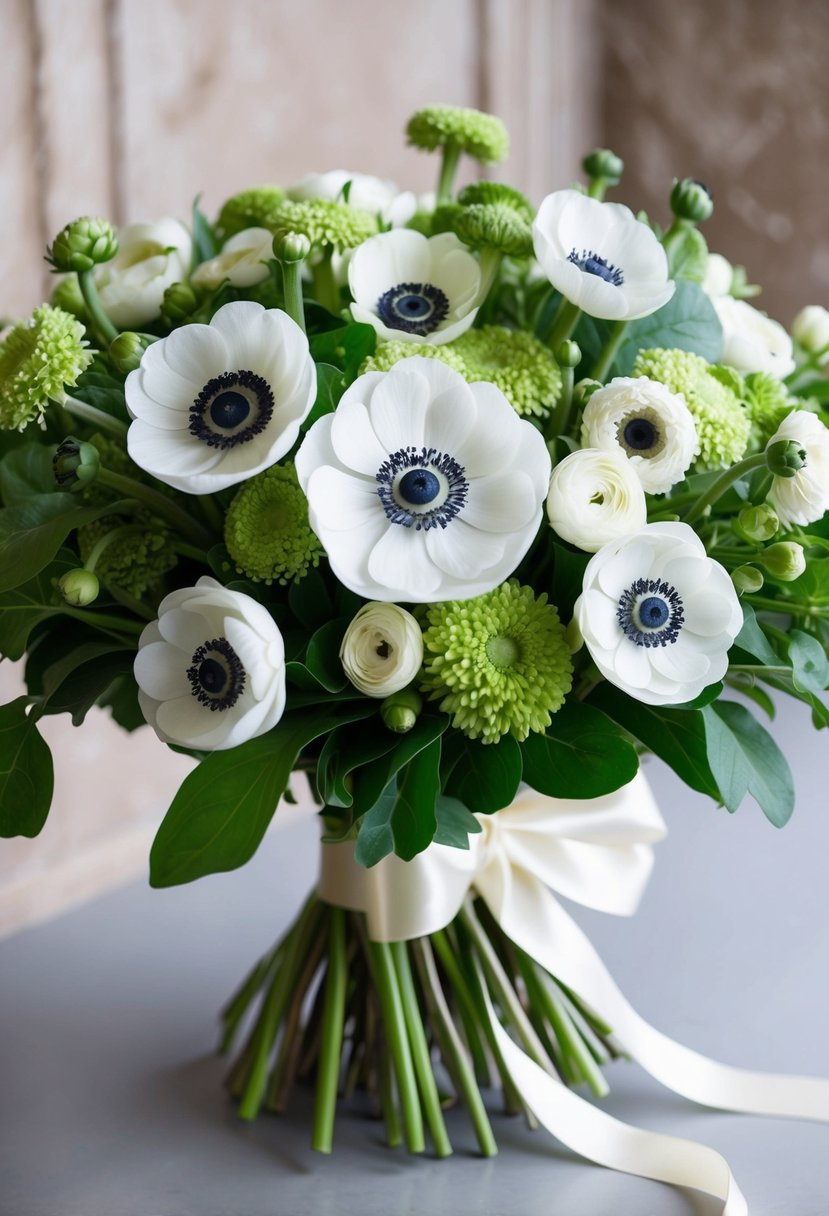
x,y
126,350
482,136
604,164
84,243
758,524
497,193
747,580
785,561
291,247
75,464
691,200
584,390
179,303
569,354
79,587
400,711
253,208
785,458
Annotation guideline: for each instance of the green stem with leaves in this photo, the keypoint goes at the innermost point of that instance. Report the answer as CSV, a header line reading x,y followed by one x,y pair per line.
x,y
95,417
100,320
159,504
564,323
326,288
449,161
609,351
723,483
292,292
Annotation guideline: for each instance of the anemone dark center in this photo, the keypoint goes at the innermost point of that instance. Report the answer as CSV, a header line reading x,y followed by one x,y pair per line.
x,y
217,677
416,308
640,434
421,488
231,409
418,487
653,612
650,613
593,263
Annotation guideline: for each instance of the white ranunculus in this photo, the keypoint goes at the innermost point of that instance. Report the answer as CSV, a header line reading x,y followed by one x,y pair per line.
x,y
372,194
212,405
382,650
811,328
242,262
719,275
150,258
211,670
422,487
753,342
804,498
595,497
658,615
600,257
414,288
651,425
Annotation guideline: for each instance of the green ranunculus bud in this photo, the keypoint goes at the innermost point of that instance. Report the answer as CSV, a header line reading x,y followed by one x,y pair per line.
x,y
126,350
84,243
75,464
747,580
784,561
604,164
758,524
291,247
79,587
400,711
569,354
584,390
691,200
785,458
179,303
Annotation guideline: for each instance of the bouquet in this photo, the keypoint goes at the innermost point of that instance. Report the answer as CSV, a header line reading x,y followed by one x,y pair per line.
x,y
458,507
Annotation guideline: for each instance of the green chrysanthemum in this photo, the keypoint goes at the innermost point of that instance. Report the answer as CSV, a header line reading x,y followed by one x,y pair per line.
x,y
389,353
500,664
38,360
254,208
138,555
497,194
767,401
723,426
267,531
482,136
325,223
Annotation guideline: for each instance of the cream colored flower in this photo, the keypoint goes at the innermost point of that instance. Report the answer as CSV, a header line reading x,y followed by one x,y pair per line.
x,y
242,262
804,498
382,650
150,258
811,328
753,342
595,497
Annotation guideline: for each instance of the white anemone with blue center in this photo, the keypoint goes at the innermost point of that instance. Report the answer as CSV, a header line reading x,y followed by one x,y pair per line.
x,y
413,288
600,257
212,405
658,615
211,670
422,487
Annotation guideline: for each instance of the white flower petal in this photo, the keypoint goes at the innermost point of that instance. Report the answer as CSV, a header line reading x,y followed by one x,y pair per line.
x,y
463,551
680,663
341,501
400,561
354,438
502,502
159,670
398,408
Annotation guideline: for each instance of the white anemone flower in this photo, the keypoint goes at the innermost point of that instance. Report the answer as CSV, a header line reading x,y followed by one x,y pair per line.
x,y
243,261
753,342
374,195
804,498
212,405
422,487
650,424
150,258
595,497
600,257
414,288
211,670
658,614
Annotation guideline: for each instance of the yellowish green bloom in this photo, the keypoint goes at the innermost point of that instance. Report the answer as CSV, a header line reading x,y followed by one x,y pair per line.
x,y
325,223
267,531
39,359
137,556
480,135
767,402
499,664
254,208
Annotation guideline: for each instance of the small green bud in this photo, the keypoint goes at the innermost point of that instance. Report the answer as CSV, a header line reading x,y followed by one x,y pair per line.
x,y
400,711
604,164
79,587
291,247
784,561
179,303
75,464
785,458
584,390
569,354
126,350
747,580
691,200
84,243
758,524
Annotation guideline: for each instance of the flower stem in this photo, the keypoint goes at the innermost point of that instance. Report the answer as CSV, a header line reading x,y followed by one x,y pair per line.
x,y
723,483
328,1073
95,417
292,292
449,161
609,351
89,291
564,322
240,1002
326,288
559,419
103,620
420,1051
388,990
784,607
159,504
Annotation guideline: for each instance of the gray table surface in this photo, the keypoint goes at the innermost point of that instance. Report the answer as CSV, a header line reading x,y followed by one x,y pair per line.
x,y
110,1094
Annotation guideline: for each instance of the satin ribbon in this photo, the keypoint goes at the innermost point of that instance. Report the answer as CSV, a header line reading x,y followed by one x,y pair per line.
x,y
597,853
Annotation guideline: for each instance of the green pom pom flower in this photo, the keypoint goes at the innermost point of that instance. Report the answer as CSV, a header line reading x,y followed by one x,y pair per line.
x,y
767,402
39,359
254,208
500,664
133,553
489,215
497,194
267,531
389,353
325,223
86,242
480,135
723,425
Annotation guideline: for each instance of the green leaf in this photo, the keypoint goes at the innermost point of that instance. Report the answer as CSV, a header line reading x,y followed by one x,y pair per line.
x,y
223,808
22,608
745,759
583,755
676,736
310,601
100,388
345,348
26,775
568,577
455,823
704,698
323,656
405,824
810,665
32,532
345,750
205,243
689,256
330,387
76,682
752,639
372,779
483,776
25,472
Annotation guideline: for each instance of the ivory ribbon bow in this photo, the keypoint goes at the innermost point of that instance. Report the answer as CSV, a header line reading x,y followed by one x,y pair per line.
x,y
597,853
